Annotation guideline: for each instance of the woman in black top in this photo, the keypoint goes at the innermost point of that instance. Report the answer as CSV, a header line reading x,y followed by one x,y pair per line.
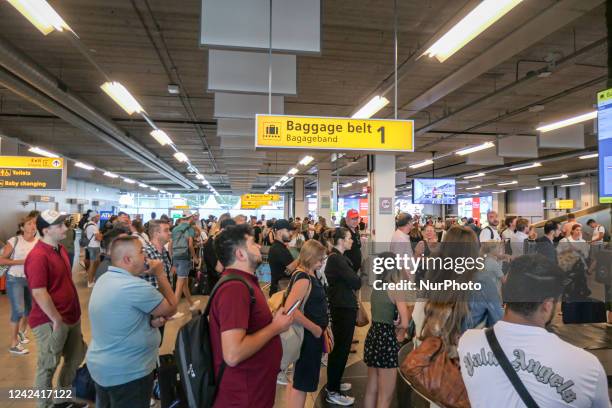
x,y
312,315
343,282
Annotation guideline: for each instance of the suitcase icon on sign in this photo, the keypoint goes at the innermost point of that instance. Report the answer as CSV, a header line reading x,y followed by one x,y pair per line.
x,y
271,130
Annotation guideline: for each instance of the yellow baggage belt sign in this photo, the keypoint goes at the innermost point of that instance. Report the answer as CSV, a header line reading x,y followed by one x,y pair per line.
x,y
328,133
261,197
25,162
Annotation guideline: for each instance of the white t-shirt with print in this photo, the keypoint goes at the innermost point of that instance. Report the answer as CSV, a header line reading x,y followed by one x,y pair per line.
x,y
556,373
90,232
599,230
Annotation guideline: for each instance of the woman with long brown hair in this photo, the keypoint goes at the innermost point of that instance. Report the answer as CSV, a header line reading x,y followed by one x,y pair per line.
x,y
448,313
312,315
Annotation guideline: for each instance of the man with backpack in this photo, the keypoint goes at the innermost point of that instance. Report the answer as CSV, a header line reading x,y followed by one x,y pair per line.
x,y
91,238
244,336
490,233
183,257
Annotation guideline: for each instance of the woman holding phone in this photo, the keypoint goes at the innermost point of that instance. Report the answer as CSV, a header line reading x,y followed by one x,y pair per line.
x,y
312,314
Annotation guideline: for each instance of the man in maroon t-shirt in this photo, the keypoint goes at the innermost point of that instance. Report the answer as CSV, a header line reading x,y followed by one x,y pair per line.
x,y
56,314
244,336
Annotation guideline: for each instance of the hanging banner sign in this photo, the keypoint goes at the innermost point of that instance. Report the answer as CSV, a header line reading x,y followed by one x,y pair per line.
x,y
24,172
564,204
261,197
327,133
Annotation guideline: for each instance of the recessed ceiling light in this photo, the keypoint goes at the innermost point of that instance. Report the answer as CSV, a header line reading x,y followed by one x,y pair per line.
x,y
421,164
562,176
567,122
474,176
508,183
531,189
42,152
582,183
84,166
528,166
486,145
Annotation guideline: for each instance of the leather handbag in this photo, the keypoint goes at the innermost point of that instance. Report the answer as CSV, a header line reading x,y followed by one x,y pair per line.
x,y
328,340
362,315
436,376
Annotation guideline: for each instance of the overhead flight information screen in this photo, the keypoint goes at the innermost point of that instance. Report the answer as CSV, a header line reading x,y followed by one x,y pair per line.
x,y
604,124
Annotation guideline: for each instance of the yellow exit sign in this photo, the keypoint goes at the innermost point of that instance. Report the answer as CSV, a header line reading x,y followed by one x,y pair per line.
x,y
327,133
565,204
261,197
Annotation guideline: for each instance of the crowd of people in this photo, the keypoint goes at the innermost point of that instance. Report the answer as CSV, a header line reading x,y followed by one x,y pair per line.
x,y
139,272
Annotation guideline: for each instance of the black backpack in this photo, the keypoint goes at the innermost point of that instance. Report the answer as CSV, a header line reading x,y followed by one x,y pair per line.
x,y
194,356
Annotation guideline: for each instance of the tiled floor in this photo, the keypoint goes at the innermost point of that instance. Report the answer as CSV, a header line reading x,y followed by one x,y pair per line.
x,y
18,371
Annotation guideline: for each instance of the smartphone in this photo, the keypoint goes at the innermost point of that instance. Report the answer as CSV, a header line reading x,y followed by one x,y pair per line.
x,y
295,305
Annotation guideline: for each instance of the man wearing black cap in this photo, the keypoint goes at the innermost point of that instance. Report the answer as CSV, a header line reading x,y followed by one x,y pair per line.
x,y
279,257
552,371
56,313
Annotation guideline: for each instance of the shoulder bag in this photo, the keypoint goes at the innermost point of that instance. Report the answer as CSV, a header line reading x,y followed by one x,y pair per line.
x,y
5,268
508,370
292,338
362,315
434,374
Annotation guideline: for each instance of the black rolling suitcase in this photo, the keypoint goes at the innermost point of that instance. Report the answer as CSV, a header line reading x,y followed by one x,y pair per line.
x,y
170,389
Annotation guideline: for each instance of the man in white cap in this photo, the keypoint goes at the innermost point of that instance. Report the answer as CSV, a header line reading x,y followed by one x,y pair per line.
x,y
94,237
56,313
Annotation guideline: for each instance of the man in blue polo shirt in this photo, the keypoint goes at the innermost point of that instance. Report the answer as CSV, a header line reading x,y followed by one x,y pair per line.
x,y
125,312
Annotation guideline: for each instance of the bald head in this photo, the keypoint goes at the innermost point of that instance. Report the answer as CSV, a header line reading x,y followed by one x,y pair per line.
x,y
126,253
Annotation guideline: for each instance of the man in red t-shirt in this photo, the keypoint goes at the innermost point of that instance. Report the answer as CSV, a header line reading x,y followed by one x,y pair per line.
x,y
244,335
56,314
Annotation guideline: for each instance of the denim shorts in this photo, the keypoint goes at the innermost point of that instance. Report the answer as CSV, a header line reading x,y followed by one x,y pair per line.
x,y
183,266
19,297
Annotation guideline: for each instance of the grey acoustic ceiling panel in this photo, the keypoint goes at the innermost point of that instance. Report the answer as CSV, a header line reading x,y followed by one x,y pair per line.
x,y
245,106
236,127
486,157
237,142
296,24
569,137
241,71
518,146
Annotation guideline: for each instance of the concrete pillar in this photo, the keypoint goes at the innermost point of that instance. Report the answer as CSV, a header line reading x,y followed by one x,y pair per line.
x,y
324,181
382,201
287,206
300,205
589,193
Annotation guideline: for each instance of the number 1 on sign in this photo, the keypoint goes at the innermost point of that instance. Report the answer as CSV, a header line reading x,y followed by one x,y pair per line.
x,y
381,130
